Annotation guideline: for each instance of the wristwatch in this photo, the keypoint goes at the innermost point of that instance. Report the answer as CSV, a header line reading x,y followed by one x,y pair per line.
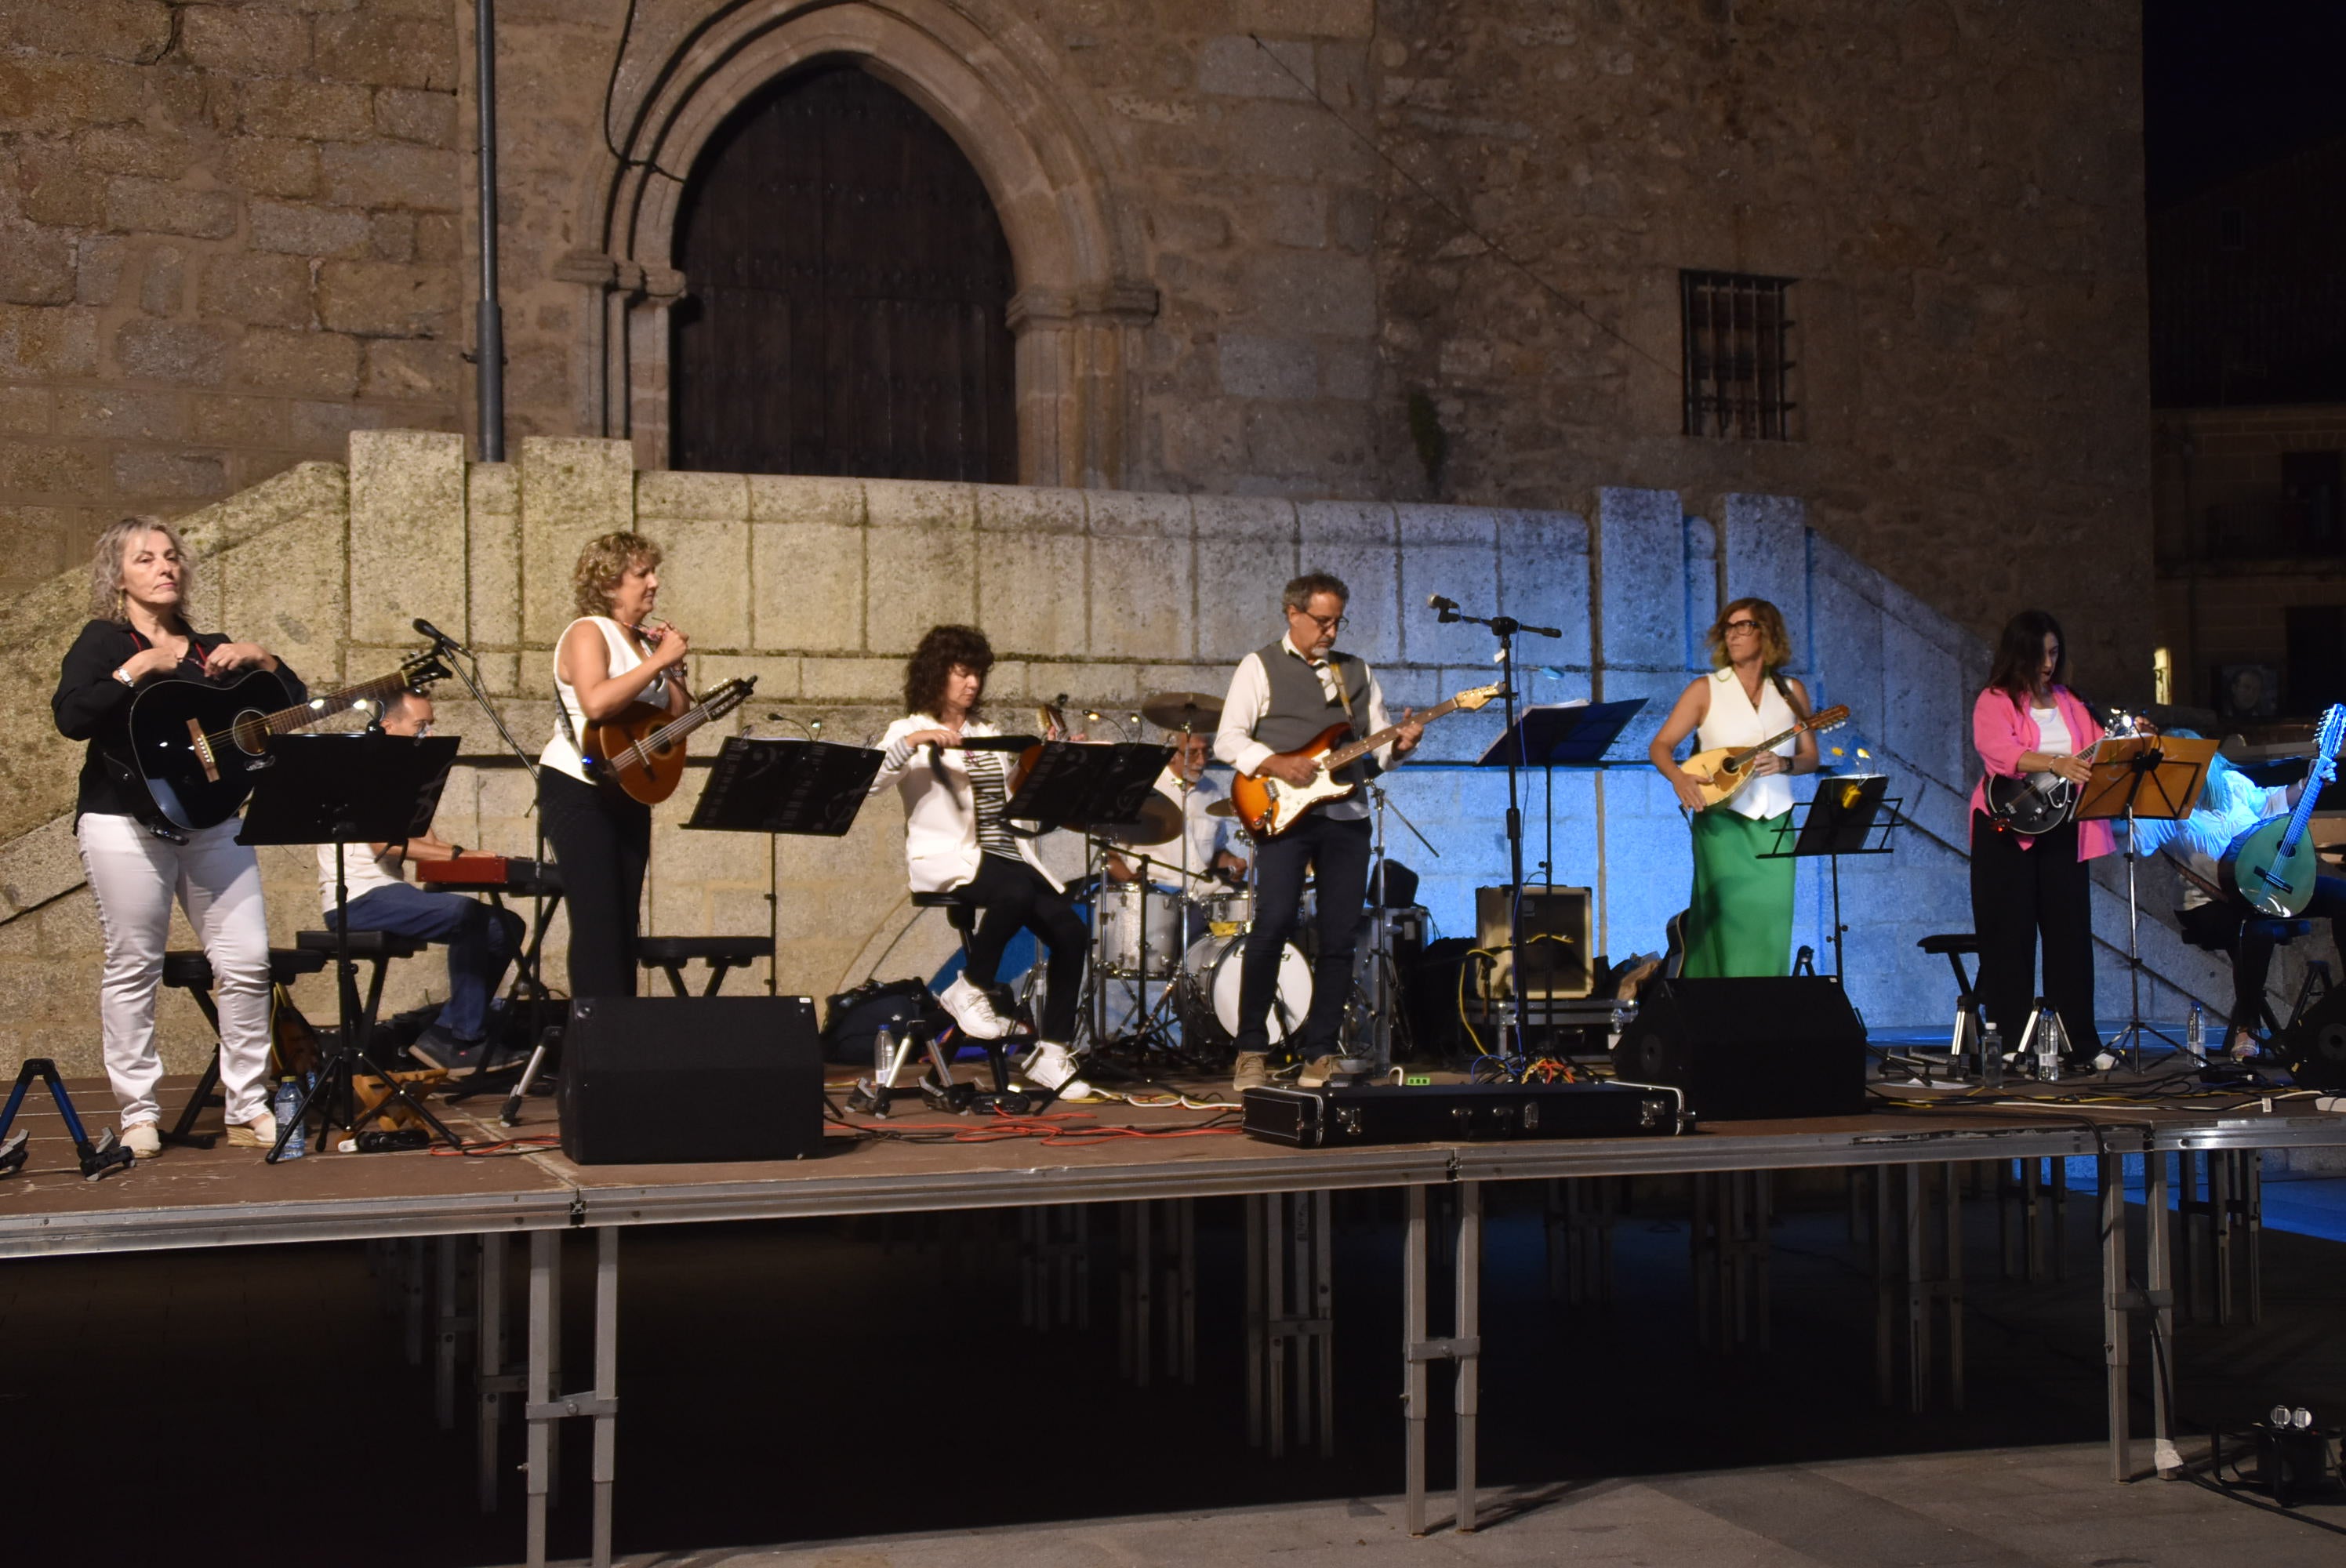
x,y
123,677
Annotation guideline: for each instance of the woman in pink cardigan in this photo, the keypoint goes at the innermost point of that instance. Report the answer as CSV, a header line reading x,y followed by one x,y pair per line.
x,y
2026,888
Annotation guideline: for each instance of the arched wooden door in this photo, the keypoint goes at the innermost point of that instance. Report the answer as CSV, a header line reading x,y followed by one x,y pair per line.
x,y
846,288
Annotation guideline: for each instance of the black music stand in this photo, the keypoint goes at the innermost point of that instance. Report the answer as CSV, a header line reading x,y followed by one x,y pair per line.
x,y
1843,818
342,790
812,788
2141,778
1552,735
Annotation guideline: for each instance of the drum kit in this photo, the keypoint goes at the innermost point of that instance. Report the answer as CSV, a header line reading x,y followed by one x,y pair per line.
x,y
1172,940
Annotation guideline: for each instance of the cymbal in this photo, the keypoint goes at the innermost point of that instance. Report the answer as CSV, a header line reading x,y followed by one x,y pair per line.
x,y
1222,808
1159,822
1177,709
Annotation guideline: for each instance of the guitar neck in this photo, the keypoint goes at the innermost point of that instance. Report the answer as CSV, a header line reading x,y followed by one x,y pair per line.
x,y
1347,756
2298,819
1773,741
285,721
715,705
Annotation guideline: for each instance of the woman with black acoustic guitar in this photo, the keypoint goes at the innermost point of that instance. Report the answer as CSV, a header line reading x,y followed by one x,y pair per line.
x,y
136,860
2023,888
608,660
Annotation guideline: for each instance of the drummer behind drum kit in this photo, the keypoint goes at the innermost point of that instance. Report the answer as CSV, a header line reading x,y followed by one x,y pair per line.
x,y
1182,934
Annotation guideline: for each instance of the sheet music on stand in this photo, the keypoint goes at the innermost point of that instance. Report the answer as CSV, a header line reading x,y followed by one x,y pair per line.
x,y
1842,817
1079,783
813,788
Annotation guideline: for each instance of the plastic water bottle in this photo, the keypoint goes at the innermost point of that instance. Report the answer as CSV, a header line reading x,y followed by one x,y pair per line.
x,y
2048,1046
1992,1056
287,1102
2195,1034
883,1055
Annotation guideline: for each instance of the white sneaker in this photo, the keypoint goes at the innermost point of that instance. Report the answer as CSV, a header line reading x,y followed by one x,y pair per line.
x,y
261,1133
973,1010
143,1139
1050,1065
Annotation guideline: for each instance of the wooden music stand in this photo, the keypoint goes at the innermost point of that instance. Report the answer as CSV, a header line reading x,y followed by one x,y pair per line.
x,y
2141,778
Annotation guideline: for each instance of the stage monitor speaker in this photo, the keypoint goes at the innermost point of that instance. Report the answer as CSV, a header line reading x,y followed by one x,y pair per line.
x,y
1749,1050
2314,1045
661,1080
1556,940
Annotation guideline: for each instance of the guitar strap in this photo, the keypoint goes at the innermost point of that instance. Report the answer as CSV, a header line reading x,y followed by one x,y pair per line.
x,y
1785,691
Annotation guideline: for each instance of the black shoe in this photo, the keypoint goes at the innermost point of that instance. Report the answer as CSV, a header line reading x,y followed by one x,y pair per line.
x,y
436,1047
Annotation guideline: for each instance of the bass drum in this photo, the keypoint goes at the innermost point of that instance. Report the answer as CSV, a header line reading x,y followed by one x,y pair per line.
x,y
1205,998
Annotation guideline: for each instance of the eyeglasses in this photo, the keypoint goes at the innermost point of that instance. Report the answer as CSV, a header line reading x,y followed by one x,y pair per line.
x,y
424,729
1330,624
1741,627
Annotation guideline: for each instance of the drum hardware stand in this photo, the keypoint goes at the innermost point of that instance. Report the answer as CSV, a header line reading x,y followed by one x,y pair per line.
x,y
342,790
2141,779
101,1156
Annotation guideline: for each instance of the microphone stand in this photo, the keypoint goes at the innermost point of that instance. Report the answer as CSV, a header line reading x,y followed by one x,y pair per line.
x,y
1507,628
527,967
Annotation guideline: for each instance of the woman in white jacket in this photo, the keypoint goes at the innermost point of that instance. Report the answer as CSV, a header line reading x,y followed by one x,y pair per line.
x,y
956,839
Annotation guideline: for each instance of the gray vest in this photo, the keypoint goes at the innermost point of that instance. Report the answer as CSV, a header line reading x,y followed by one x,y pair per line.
x,y
1301,708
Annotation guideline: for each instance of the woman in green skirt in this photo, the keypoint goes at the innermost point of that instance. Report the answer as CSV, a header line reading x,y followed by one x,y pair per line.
x,y
1739,920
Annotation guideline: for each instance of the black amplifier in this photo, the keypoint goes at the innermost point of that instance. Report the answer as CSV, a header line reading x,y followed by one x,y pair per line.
x,y
1458,1113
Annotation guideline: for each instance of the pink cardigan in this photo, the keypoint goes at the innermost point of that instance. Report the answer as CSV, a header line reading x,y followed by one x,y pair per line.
x,y
2002,728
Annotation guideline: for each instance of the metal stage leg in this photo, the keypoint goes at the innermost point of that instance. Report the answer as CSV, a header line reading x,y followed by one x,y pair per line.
x,y
1952,1287
606,1387
1885,1293
492,1381
544,1325
2221,1171
2111,1169
2252,1205
1274,1309
1181,1294
1918,1298
1136,1305
1257,1343
2159,1269
450,1326
411,1279
1419,1347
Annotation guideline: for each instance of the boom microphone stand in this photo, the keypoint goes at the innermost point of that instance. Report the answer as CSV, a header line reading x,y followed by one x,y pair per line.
x,y
1506,628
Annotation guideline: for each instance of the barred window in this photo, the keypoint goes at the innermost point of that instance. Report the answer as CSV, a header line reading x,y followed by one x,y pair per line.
x,y
1739,361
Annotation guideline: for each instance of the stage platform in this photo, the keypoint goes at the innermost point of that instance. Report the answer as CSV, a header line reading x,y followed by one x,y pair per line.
x,y
1107,1153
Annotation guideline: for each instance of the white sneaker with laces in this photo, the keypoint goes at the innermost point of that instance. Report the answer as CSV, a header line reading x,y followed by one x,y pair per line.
x,y
972,1011
1050,1065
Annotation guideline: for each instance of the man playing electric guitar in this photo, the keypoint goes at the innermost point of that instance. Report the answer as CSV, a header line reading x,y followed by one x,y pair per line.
x,y
1282,696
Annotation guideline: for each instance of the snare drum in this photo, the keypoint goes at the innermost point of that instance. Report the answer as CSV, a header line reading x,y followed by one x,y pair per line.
x,y
1226,913
1125,911
1206,996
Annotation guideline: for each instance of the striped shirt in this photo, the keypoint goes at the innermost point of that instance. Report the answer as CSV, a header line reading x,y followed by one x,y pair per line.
x,y
989,775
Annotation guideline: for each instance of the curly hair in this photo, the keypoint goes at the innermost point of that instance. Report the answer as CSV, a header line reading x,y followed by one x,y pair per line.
x,y
107,600
2020,654
1775,642
603,563
940,650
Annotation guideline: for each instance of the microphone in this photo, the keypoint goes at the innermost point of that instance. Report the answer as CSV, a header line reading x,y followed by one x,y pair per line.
x,y
1436,602
427,629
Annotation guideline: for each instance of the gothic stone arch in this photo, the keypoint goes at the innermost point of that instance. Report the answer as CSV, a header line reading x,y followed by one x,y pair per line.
x,y
1080,305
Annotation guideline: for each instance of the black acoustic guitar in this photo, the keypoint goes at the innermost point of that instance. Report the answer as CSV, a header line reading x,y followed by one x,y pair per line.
x,y
197,746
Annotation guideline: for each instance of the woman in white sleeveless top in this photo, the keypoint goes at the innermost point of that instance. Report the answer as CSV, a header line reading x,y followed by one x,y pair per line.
x,y
1740,918
605,661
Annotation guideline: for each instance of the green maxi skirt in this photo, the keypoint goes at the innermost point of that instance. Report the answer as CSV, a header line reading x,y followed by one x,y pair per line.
x,y
1739,921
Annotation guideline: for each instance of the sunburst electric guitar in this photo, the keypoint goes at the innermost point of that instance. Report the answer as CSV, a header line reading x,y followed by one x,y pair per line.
x,y
1730,767
1269,806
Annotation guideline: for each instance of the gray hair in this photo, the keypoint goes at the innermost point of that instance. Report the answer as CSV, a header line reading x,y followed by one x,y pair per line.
x,y
1298,593
107,601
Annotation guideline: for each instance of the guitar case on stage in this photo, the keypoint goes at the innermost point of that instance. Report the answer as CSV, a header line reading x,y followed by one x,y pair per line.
x,y
660,1080
1772,1049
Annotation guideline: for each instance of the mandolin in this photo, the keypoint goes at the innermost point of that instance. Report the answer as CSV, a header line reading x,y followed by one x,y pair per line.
x,y
2273,864
1730,767
197,746
641,748
1268,806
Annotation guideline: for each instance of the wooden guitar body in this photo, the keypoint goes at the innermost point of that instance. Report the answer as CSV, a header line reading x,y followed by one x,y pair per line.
x,y
622,749
1269,806
2274,876
197,746
1730,767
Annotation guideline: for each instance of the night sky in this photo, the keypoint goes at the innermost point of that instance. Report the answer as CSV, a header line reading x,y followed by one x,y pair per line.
x,y
2232,84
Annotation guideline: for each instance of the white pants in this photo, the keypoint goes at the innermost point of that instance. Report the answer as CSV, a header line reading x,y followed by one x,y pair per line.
x,y
218,881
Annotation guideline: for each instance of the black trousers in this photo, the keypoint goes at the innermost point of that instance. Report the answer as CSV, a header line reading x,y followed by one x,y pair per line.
x,y
2020,897
1336,850
1010,894
2223,927
603,841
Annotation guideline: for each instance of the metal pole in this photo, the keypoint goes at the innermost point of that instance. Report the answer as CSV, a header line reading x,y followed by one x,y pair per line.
x,y
489,332
2111,1170
545,1322
2159,1269
606,1386
1413,1334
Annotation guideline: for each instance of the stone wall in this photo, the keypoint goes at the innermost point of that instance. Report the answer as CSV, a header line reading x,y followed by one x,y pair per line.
x,y
819,588
236,230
